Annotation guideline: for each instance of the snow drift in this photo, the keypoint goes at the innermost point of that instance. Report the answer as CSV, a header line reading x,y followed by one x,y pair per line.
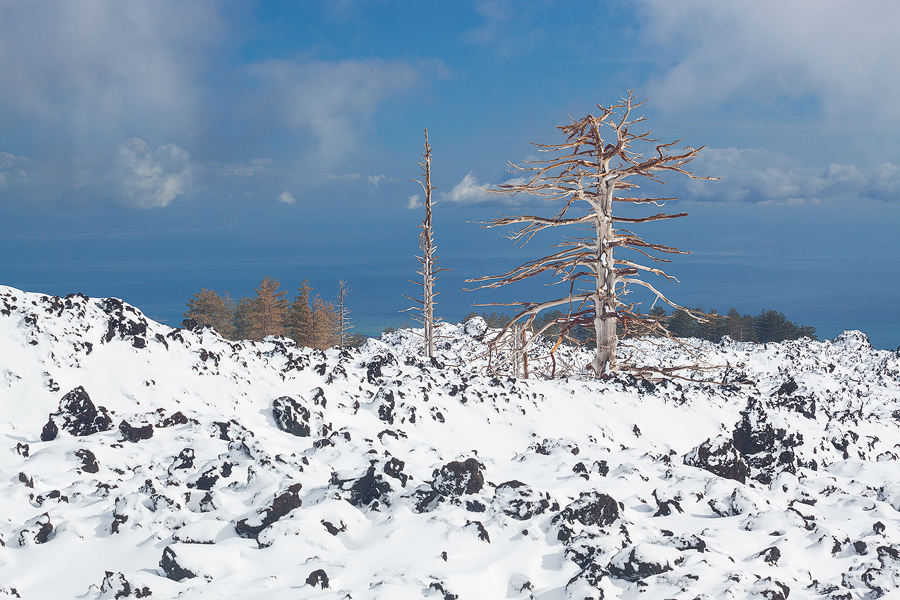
x,y
144,461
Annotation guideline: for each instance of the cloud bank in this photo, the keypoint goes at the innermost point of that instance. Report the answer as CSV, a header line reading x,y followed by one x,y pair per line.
x,y
761,176
841,56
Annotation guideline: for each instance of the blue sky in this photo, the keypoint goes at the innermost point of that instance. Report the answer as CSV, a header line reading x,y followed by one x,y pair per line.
x,y
148,149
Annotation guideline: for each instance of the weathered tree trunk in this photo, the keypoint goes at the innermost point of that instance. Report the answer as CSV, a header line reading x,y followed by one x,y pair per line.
x,y
428,259
605,309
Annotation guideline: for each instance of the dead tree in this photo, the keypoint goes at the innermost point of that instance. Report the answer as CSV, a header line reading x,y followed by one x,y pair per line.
x,y
586,174
428,260
343,313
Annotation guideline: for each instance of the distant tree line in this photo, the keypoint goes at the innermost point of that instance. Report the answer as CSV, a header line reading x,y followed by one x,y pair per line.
x,y
767,326
308,320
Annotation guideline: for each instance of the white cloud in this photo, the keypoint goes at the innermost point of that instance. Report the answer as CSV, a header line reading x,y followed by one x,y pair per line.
x,y
413,202
375,180
286,197
152,178
841,55
333,100
468,191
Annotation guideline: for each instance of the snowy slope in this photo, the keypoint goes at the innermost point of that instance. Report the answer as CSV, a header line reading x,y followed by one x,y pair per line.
x,y
139,460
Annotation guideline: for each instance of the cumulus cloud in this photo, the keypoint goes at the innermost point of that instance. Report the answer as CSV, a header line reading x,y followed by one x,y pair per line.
x,y
837,54
468,191
762,176
413,202
152,178
332,100
286,197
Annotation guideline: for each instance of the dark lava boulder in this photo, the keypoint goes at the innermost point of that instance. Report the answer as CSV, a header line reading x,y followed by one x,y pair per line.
x,y
519,501
591,508
77,415
318,578
458,478
50,431
366,490
291,416
135,434
719,457
115,585
767,450
173,570
88,460
281,505
642,561
373,369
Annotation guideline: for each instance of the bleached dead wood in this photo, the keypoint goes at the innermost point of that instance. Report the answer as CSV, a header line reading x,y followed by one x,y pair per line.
x,y
428,260
588,172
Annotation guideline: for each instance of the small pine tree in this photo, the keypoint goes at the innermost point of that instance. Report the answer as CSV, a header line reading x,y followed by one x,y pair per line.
x,y
300,317
206,307
243,313
269,310
325,324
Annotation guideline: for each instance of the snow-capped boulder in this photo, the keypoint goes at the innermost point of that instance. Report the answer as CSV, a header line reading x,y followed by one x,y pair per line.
x,y
476,326
592,508
519,501
291,416
77,415
458,478
644,560
719,457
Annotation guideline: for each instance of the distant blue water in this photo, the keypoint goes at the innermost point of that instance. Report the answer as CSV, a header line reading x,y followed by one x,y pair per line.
x,y
762,263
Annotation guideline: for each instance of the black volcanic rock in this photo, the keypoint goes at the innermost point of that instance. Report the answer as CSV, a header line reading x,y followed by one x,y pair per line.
x,y
88,460
519,501
318,578
719,457
78,416
136,434
369,488
173,570
458,478
281,505
291,416
634,565
591,508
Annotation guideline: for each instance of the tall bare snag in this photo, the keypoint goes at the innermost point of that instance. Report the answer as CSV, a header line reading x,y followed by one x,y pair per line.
x,y
428,261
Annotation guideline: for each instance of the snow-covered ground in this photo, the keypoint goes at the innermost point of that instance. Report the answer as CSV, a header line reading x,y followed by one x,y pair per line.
x,y
139,460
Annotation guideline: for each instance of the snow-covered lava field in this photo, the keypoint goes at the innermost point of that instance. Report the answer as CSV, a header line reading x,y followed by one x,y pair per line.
x,y
138,460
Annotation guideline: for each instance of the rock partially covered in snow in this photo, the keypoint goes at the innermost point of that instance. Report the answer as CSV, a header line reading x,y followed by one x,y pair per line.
x,y
291,416
77,415
644,560
476,326
458,478
719,457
